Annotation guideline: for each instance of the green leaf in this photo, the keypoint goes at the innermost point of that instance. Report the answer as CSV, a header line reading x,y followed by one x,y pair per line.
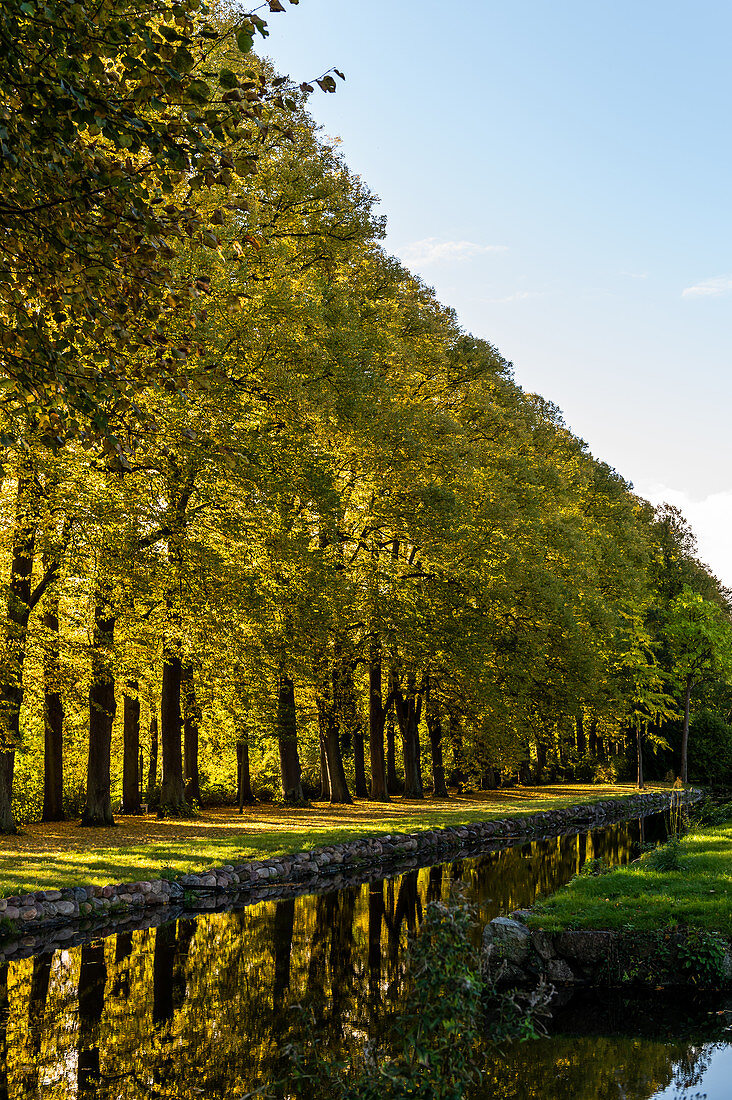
x,y
228,79
245,40
199,91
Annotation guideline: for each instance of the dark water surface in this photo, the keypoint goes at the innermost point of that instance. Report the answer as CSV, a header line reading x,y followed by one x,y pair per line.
x,y
202,1007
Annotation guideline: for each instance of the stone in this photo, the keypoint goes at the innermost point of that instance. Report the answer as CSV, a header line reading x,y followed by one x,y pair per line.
x,y
28,912
500,970
510,938
585,947
189,880
543,944
727,965
66,908
12,912
559,970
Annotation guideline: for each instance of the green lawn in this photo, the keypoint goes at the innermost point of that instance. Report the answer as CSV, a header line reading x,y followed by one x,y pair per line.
x,y
639,897
53,855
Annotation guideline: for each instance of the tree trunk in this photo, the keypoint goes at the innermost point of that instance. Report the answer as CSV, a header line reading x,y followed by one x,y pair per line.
x,y
7,767
434,727
330,737
131,802
540,760
377,718
4,1020
152,770
489,779
282,929
123,947
409,711
339,793
376,919
347,712
393,785
191,723
92,983
592,739
172,794
324,780
102,707
163,972
639,740
290,770
53,715
40,982
37,1000
580,733
685,735
458,773
359,763
244,794
16,631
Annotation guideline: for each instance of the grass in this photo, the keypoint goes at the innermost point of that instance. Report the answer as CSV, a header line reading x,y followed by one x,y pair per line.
x,y
45,856
639,897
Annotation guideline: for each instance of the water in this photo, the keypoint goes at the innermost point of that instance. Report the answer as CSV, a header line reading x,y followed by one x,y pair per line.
x,y
203,1007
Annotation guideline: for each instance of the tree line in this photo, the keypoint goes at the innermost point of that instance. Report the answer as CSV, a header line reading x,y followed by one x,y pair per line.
x,y
272,521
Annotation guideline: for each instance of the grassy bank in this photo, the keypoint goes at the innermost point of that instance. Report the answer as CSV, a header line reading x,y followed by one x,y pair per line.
x,y
644,896
54,855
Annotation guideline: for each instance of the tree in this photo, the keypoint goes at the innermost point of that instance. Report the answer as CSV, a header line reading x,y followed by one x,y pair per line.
x,y
699,633
112,122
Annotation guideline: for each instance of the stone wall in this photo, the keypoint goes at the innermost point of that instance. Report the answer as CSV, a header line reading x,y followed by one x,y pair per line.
x,y
24,919
514,954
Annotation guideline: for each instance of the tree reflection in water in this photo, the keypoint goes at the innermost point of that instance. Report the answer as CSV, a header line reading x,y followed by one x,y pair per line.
x,y
203,1007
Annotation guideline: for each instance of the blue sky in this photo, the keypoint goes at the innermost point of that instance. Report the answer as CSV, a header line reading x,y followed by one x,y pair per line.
x,y
560,173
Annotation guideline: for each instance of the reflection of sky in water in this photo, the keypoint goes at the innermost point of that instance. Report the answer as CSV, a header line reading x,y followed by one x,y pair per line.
x,y
714,1083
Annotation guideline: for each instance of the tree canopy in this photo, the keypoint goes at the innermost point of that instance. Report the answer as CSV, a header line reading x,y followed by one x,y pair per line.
x,y
297,530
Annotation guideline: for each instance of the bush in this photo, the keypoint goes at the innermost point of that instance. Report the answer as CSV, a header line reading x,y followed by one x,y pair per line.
x,y
700,957
216,794
710,749
666,857
27,790
709,812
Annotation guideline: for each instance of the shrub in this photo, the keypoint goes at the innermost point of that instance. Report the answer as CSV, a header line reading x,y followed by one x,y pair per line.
x,y
700,957
709,812
710,749
665,857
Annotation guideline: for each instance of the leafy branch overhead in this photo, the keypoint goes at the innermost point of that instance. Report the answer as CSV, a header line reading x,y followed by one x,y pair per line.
x,y
112,118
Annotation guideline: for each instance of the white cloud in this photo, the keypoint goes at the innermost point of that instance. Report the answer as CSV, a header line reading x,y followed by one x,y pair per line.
x,y
710,519
434,251
708,288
